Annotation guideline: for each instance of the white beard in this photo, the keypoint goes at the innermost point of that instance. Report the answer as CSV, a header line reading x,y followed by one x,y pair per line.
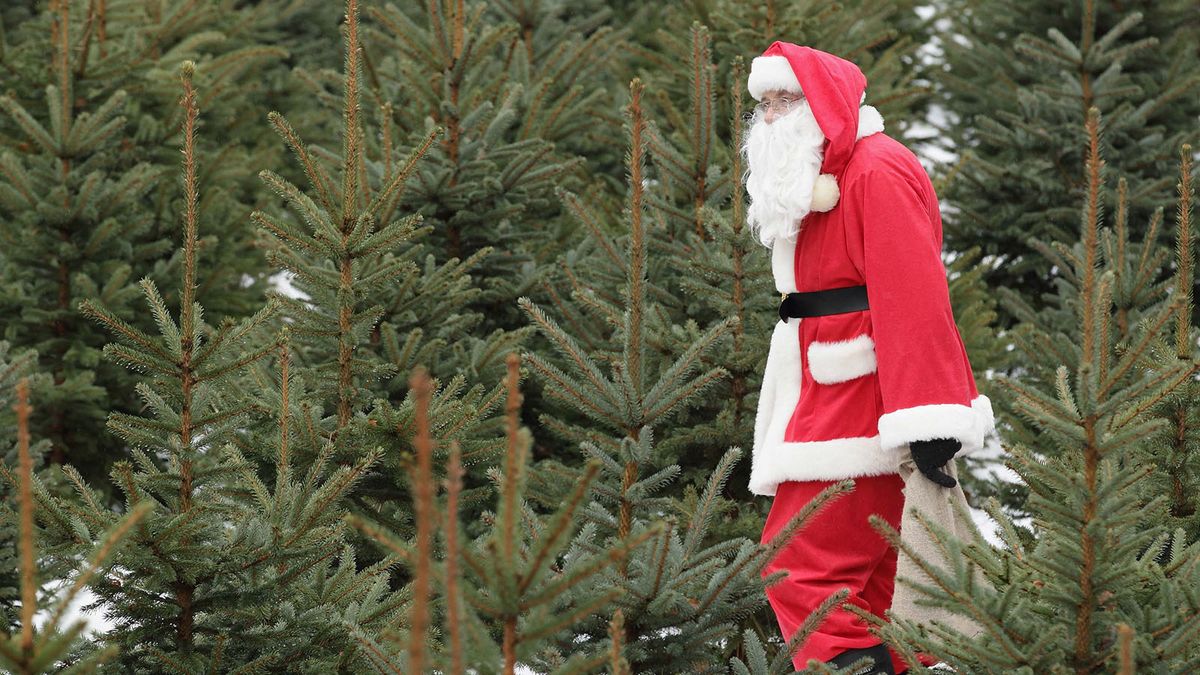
x,y
783,161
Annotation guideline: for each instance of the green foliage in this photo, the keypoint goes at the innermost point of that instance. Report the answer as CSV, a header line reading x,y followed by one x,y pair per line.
x,y
214,553
285,498
882,38
1020,78
683,594
51,647
517,87
535,577
13,367
87,136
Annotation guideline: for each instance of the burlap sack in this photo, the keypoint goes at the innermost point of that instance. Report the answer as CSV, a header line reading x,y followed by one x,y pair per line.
x,y
937,505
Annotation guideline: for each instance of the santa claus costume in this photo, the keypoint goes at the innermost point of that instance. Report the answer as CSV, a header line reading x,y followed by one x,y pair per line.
x,y
850,385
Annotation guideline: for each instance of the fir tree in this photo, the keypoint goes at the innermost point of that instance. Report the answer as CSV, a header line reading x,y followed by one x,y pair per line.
x,y
527,584
683,595
374,301
219,555
882,38
507,82
89,132
50,648
70,231
1020,78
13,367
1104,585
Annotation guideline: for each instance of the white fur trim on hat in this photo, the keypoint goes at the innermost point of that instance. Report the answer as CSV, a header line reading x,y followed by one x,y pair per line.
x,y
834,362
967,424
771,72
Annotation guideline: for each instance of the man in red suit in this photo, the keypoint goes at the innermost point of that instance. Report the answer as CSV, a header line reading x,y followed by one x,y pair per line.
x,y
866,363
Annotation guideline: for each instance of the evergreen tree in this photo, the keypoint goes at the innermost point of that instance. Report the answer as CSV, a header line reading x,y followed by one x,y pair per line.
x,y
529,579
882,38
88,133
13,367
218,555
682,595
373,300
508,82
1146,275
52,647
1104,585
72,223
1019,79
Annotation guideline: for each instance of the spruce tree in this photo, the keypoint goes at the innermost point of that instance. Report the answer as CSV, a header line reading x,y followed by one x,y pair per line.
x,y
1019,80
215,555
54,646
1104,584
684,595
374,300
1146,274
13,367
516,594
72,223
508,82
88,132
882,38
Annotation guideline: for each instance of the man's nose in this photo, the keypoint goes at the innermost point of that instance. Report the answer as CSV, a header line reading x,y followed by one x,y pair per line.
x,y
770,116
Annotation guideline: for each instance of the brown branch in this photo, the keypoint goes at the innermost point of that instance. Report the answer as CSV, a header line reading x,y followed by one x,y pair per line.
x,y
28,568
512,408
636,244
454,476
423,507
1183,277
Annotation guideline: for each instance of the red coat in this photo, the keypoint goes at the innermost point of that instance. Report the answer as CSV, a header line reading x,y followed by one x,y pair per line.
x,y
842,394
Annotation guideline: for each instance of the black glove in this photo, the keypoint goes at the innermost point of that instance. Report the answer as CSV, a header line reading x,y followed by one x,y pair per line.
x,y
931,457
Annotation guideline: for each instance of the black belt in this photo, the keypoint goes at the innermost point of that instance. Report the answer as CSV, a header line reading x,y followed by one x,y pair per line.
x,y
823,303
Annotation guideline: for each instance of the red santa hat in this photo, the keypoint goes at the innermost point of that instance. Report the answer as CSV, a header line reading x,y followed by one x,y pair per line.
x,y
834,89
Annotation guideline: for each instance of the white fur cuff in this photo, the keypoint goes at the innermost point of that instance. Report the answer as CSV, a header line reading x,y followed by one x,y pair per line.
x,y
771,72
834,362
968,424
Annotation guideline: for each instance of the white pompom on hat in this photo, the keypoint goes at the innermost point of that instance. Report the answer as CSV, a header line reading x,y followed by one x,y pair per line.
x,y
771,72
825,193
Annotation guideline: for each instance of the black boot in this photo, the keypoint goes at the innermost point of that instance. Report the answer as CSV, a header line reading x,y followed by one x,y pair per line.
x,y
881,661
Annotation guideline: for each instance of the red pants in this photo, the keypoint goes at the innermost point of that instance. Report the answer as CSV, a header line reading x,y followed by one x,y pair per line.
x,y
836,549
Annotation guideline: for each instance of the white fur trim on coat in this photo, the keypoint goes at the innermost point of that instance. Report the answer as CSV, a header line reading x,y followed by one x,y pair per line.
x,y
775,460
781,383
783,264
968,424
771,72
834,362
779,461
869,121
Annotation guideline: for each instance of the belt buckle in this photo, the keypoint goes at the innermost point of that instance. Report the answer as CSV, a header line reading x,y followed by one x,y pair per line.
x,y
782,297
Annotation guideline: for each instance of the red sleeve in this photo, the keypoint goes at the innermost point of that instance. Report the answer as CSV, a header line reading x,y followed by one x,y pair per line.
x,y
924,376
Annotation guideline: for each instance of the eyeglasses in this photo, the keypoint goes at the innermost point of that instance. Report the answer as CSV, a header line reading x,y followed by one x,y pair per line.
x,y
781,105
